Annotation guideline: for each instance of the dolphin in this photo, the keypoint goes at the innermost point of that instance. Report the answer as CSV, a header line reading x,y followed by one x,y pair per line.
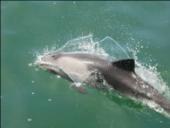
x,y
95,69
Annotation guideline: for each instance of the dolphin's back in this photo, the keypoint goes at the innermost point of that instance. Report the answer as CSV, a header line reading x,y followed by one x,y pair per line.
x,y
88,57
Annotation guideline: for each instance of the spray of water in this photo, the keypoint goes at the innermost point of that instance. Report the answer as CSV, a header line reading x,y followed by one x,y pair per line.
x,y
111,49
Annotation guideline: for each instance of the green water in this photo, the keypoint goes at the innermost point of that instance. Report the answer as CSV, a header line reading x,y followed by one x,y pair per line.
x,y
36,99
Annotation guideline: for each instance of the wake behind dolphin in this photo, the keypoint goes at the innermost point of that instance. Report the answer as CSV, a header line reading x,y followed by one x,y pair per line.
x,y
101,72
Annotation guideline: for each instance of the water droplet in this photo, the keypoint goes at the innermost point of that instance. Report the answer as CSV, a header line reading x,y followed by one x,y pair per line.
x,y
30,64
29,119
32,81
54,3
32,93
58,76
36,69
49,99
161,121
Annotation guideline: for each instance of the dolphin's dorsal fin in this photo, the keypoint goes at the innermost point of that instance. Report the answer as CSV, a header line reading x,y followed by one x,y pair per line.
x,y
126,64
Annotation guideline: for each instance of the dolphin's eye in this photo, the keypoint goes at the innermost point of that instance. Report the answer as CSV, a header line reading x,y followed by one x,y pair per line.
x,y
53,56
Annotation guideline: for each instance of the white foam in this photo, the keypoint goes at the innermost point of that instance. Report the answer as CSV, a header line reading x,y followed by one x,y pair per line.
x,y
78,84
152,76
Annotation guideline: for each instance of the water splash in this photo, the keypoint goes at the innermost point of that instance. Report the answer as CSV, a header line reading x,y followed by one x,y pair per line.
x,y
49,100
83,44
29,119
110,48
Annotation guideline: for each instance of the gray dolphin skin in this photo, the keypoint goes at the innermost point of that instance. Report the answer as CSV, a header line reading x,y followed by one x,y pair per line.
x,y
94,69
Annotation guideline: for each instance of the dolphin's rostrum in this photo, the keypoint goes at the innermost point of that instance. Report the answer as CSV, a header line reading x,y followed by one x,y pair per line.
x,y
94,69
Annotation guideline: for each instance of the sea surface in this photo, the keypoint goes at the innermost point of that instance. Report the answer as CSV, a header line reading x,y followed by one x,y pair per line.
x,y
33,98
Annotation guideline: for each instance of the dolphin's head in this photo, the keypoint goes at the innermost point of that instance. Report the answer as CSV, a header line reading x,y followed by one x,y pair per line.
x,y
48,62
67,65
